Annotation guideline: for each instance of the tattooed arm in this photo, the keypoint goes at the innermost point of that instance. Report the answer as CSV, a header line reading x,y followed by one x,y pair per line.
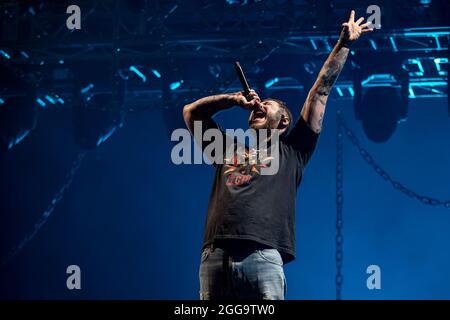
x,y
204,108
314,108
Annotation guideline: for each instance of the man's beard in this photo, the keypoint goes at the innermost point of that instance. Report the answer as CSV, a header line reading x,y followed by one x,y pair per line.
x,y
269,123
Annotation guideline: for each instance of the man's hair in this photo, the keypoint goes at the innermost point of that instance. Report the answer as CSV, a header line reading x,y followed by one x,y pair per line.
x,y
286,110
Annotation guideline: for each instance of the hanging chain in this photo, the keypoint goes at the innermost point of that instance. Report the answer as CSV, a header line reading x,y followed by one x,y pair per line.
x,y
381,172
51,207
341,130
339,205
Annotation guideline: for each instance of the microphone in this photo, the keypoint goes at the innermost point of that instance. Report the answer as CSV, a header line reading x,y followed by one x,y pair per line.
x,y
243,80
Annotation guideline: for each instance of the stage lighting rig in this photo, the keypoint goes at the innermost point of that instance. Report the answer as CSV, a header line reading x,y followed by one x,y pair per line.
x,y
381,102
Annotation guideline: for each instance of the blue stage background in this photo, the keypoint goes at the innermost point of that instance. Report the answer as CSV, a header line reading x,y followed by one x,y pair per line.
x,y
133,221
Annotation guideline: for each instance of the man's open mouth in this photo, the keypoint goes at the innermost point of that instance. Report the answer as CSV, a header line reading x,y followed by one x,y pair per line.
x,y
258,115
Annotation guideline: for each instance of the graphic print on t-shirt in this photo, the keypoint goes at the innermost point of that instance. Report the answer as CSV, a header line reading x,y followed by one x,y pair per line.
x,y
238,174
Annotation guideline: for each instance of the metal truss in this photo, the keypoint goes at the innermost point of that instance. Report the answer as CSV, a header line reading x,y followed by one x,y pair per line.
x,y
212,28
169,35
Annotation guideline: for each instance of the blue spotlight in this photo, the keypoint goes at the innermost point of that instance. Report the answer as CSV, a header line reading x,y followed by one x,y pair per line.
x,y
237,2
352,92
2,101
5,54
18,117
313,43
271,82
175,7
50,99
394,45
156,73
175,85
87,88
24,54
106,136
41,102
138,73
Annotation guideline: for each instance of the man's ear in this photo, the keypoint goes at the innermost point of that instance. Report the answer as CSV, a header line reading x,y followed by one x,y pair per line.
x,y
284,122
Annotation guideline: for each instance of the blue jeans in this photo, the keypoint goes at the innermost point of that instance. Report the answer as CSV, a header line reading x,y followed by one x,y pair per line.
x,y
245,272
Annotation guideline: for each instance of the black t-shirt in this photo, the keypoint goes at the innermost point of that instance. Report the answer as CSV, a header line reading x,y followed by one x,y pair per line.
x,y
247,205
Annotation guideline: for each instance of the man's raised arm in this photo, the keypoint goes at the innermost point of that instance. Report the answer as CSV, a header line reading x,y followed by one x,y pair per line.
x,y
314,108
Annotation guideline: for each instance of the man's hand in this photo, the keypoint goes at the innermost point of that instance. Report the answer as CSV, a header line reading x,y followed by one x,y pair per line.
x,y
352,29
241,100
203,109
314,107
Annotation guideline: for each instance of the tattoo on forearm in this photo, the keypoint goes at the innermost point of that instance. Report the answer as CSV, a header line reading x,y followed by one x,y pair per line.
x,y
320,122
208,106
331,71
314,109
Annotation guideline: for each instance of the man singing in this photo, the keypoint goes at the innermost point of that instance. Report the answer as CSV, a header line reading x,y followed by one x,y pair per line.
x,y
250,224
